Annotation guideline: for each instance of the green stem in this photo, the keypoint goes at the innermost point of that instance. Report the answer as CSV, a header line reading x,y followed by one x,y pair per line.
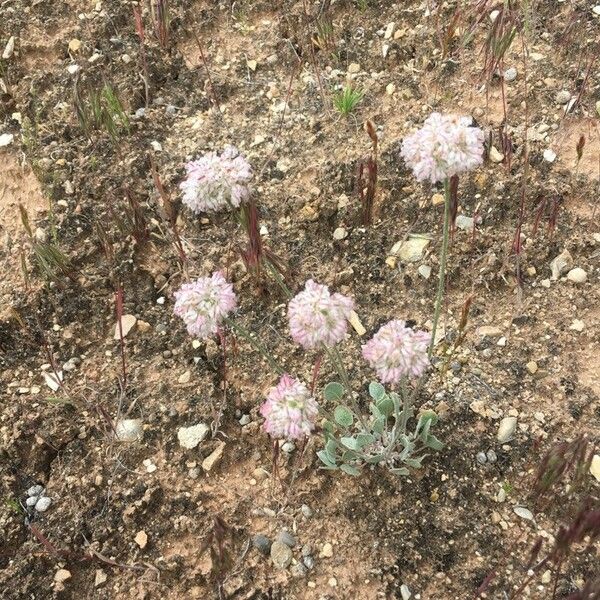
x,y
257,345
406,405
442,273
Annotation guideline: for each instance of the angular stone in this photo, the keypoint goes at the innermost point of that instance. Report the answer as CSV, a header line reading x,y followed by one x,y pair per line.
x,y
190,437
211,460
127,324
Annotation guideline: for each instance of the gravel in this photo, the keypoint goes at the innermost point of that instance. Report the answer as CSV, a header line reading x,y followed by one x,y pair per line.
x,y
262,543
281,555
43,504
285,537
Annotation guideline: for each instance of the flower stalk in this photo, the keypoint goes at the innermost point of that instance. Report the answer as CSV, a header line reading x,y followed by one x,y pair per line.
x,y
443,258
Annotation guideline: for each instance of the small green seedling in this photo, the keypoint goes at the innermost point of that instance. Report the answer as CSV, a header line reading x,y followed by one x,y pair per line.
x,y
346,100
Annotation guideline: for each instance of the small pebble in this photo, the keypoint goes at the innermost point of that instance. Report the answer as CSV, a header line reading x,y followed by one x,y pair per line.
x,y
43,504
262,544
563,97
62,575
491,456
510,74
288,447
577,275
285,537
339,234
35,490
306,511
506,429
481,458
523,512
281,555
299,570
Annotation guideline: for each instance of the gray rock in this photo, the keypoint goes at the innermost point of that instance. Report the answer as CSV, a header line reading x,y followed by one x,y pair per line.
x,y
510,74
465,223
306,511
129,430
405,592
190,437
506,429
281,555
481,458
35,490
299,570
288,447
523,512
43,504
491,456
563,97
309,561
561,263
424,271
285,537
262,543
244,420
31,501
577,275
339,234
412,249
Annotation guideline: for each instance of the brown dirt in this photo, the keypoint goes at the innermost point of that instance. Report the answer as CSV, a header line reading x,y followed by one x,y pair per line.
x,y
441,531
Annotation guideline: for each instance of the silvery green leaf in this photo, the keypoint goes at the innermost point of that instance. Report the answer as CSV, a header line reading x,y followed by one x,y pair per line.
x,y
407,451
426,419
343,416
373,460
433,443
414,462
379,425
395,400
376,391
431,415
350,443
400,471
328,426
425,431
364,439
333,392
325,459
349,456
330,447
374,410
386,406
405,441
350,470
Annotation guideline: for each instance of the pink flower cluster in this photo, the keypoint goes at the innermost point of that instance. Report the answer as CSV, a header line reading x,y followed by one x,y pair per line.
x,y
204,303
446,145
215,183
290,411
396,351
318,317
